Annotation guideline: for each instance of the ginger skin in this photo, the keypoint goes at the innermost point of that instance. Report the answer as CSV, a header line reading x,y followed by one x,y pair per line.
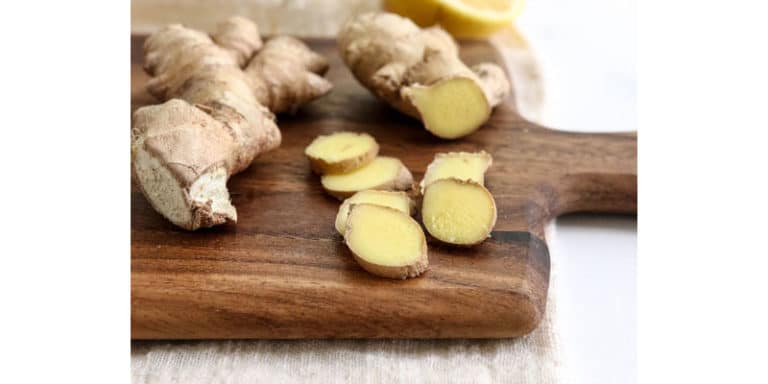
x,y
218,115
418,72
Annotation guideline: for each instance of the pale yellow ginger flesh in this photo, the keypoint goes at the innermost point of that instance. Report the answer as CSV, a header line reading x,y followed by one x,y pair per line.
x,y
458,212
393,199
383,173
386,242
452,108
459,165
418,72
341,152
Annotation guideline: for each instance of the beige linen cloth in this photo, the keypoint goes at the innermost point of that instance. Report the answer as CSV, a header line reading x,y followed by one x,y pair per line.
x,y
535,358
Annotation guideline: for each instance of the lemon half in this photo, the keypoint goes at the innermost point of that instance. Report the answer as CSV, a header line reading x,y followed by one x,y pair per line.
x,y
461,18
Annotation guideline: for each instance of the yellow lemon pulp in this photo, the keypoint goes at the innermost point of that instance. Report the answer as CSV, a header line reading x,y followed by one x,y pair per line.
x,y
461,18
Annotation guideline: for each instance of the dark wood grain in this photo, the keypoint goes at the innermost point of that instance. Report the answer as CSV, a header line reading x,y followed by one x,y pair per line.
x,y
283,272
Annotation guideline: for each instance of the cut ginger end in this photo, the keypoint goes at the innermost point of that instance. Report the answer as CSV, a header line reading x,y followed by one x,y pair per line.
x,y
458,212
341,152
383,173
393,199
451,108
386,242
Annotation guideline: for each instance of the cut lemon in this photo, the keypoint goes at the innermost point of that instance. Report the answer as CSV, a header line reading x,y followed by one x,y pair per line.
x,y
461,18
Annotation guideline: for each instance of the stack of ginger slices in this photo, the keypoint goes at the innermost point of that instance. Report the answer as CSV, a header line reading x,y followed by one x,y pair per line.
x,y
375,216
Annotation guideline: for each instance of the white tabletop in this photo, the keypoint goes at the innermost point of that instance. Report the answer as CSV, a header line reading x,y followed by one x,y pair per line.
x,y
586,50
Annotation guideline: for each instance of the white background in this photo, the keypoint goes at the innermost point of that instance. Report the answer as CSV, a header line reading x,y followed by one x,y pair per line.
x,y
586,50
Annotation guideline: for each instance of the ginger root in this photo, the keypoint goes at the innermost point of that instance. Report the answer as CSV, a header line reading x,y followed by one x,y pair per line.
x,y
458,212
386,242
418,72
383,173
393,199
341,152
218,114
459,165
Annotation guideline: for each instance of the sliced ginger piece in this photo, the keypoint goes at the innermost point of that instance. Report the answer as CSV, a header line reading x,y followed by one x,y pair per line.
x,y
383,173
393,199
459,165
458,212
341,152
386,242
451,108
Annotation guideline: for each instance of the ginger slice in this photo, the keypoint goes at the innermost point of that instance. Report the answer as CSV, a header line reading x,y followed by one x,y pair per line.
x,y
386,242
458,212
341,152
383,173
394,199
451,108
459,165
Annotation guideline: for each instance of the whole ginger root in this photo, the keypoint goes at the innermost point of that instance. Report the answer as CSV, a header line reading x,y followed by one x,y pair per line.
x,y
221,92
418,72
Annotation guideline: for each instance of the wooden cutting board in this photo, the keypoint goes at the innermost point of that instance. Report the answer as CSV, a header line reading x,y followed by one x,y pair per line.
x,y
283,272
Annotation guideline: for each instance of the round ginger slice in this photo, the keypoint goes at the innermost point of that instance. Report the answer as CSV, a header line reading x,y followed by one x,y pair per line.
x,y
386,242
394,199
460,165
341,152
383,173
458,212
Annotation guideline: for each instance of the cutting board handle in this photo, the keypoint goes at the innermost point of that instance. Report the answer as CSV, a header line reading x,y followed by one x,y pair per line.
x,y
606,182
